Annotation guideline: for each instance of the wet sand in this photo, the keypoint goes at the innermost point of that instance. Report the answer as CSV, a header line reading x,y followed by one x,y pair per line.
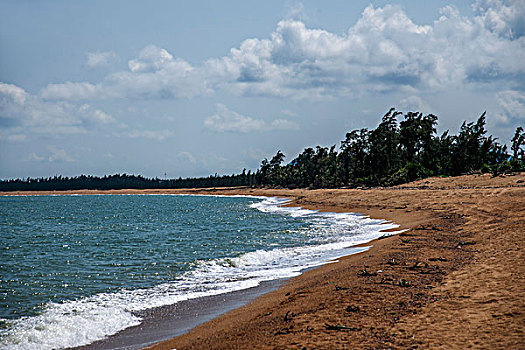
x,y
455,280
169,321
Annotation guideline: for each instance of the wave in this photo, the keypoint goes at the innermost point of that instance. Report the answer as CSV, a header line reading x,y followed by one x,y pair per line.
x,y
83,321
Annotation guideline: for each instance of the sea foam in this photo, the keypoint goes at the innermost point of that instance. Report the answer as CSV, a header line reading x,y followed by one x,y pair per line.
x,y
83,321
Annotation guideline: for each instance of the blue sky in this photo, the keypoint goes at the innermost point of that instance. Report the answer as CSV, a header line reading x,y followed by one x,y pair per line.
x,y
195,88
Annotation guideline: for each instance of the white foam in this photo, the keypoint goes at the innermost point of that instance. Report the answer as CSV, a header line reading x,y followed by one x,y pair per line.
x,y
81,322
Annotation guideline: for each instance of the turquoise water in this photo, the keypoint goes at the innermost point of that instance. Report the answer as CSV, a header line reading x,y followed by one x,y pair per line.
x,y
80,266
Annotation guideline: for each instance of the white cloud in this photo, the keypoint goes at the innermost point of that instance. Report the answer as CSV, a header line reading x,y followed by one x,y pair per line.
x,y
284,124
154,74
512,104
18,109
33,157
414,104
145,134
59,155
507,18
102,117
226,120
95,115
383,51
151,59
72,91
296,11
11,94
100,59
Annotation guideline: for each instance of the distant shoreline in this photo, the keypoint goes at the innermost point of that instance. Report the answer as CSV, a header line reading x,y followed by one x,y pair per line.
x,y
122,191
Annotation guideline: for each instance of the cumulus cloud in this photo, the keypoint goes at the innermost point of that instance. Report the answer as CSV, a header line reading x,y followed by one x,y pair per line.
x,y
512,105
506,18
11,94
95,115
100,59
226,120
151,59
21,110
59,155
383,51
155,73
414,104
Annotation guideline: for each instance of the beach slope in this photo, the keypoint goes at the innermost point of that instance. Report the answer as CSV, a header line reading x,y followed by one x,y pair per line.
x,y
454,280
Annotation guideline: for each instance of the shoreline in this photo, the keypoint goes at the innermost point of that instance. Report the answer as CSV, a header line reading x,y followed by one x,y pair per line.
x,y
168,321
458,267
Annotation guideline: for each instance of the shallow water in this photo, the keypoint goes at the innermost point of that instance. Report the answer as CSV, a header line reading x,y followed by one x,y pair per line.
x,y
83,266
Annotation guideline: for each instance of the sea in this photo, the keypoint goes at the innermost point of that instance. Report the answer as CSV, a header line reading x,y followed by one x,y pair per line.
x,y
75,269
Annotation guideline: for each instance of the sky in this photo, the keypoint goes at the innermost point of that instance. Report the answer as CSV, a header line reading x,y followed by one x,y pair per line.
x,y
193,88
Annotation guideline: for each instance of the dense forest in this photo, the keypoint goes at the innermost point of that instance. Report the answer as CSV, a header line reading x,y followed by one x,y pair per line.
x,y
403,148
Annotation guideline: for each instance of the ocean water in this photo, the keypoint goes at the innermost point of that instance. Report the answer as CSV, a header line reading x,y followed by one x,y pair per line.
x,y
76,269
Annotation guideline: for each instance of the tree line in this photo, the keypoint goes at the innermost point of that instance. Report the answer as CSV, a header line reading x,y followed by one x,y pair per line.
x,y
125,181
394,152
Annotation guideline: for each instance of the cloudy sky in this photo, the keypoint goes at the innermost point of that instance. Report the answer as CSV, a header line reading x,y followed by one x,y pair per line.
x,y
194,88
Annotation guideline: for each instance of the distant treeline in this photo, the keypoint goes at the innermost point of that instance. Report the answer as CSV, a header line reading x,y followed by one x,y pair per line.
x,y
393,153
124,181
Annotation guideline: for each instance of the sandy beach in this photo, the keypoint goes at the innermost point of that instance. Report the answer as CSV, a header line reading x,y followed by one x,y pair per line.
x,y
454,280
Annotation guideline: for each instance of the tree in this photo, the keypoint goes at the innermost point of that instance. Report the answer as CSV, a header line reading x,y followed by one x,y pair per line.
x,y
275,172
384,150
417,140
518,153
353,158
518,142
467,147
264,172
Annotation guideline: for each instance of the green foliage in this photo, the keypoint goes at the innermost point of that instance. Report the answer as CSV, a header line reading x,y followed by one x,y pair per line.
x,y
416,137
501,168
396,153
518,143
485,169
384,154
410,172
